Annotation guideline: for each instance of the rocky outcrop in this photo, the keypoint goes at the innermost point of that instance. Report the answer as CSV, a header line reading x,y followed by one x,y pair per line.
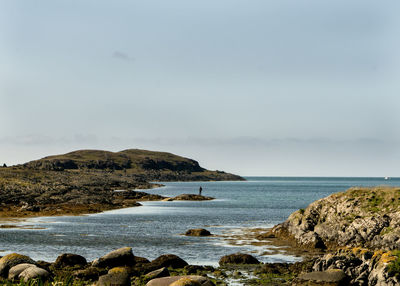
x,y
191,197
361,266
238,258
197,232
368,217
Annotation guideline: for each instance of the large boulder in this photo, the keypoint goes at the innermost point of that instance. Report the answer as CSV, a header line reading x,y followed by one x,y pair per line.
x,y
189,280
197,232
238,258
69,260
168,260
162,272
16,270
116,279
10,260
120,257
333,276
32,273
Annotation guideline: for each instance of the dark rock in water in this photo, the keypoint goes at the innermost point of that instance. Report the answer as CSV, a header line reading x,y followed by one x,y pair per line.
x,y
69,260
116,278
189,280
197,232
162,272
11,260
238,258
336,276
119,257
168,260
16,270
191,197
90,273
32,273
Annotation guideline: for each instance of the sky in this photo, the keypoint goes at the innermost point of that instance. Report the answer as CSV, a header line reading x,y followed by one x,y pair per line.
x,y
253,87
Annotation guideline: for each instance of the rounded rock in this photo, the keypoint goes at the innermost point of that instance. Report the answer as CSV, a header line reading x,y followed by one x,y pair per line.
x,y
69,260
120,257
11,260
16,270
32,273
238,258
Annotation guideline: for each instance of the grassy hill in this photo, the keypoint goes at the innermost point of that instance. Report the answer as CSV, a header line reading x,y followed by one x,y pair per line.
x,y
150,165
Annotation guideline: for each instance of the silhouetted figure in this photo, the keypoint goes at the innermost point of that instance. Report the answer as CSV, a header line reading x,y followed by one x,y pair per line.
x,y
200,189
4,165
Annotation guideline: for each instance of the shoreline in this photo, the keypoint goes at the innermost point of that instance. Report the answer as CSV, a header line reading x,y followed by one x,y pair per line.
x,y
15,212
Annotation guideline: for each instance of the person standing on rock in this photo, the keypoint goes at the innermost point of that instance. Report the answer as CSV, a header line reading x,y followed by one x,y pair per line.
x,y
200,189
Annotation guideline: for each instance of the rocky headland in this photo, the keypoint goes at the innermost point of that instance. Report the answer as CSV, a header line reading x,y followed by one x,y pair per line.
x,y
358,231
89,181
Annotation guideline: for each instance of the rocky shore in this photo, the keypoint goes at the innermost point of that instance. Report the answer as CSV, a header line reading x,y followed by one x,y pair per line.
x,y
90,181
122,268
358,230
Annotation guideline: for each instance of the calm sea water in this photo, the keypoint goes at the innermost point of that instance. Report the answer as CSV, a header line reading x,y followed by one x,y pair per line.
x,y
156,227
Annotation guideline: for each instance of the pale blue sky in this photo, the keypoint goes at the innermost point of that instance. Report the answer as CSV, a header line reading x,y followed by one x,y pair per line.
x,y
252,87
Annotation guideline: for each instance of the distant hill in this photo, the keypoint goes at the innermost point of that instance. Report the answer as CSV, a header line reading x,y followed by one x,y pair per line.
x,y
149,164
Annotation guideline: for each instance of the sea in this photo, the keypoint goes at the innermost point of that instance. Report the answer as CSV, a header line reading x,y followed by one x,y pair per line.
x,y
157,228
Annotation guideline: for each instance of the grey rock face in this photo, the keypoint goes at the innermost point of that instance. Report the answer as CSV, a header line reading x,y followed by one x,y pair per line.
x,y
359,217
363,267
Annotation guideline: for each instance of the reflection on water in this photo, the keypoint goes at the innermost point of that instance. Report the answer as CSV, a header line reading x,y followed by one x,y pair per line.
x,y
156,227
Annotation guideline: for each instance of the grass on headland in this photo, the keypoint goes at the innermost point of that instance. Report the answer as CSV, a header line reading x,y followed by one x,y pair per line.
x,y
394,266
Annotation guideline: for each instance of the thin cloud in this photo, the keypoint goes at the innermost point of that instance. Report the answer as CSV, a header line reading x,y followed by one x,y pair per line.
x,y
122,56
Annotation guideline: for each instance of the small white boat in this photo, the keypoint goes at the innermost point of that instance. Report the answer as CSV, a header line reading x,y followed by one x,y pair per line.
x,y
387,178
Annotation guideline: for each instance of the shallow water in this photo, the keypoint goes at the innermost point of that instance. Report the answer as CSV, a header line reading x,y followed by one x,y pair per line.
x,y
156,227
